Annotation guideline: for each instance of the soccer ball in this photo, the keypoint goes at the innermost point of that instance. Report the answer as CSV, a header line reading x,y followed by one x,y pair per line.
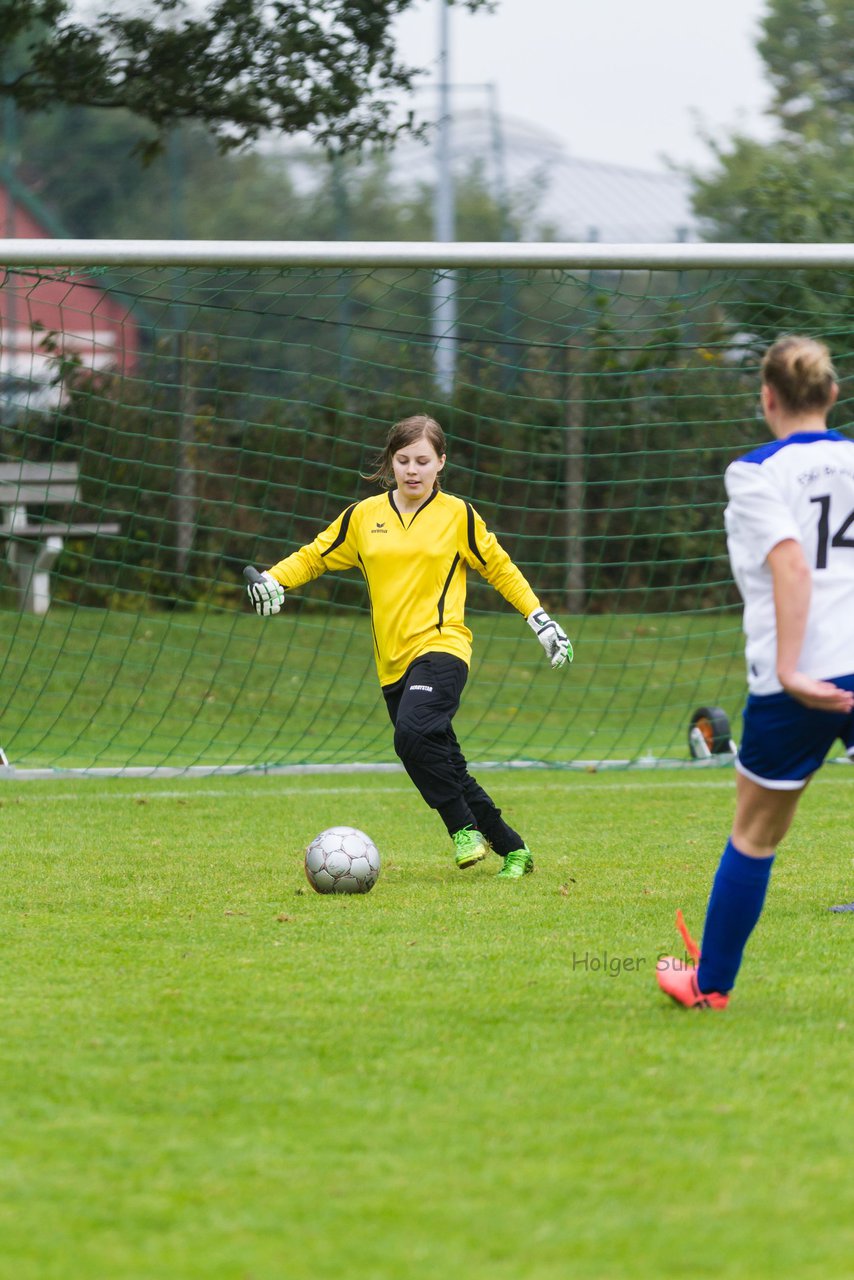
x,y
342,860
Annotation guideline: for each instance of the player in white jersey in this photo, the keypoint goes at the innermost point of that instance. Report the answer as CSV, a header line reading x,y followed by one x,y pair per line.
x,y
790,534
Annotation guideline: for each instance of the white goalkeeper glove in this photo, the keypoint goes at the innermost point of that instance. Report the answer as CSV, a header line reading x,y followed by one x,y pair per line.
x,y
551,636
267,596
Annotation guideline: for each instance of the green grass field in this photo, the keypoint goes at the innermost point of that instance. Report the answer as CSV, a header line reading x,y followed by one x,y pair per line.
x,y
210,1072
84,687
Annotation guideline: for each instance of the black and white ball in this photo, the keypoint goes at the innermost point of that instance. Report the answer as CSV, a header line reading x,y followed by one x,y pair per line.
x,y
342,860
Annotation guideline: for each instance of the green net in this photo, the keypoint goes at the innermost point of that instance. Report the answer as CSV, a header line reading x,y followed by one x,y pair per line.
x,y
163,427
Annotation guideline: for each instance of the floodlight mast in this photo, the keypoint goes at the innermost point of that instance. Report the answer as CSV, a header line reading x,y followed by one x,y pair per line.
x,y
444,293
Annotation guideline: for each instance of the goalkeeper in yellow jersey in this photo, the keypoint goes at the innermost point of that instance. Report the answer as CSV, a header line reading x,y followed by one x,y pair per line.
x,y
413,545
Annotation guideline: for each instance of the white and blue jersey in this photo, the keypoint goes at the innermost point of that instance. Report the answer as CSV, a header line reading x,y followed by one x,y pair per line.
x,y
801,488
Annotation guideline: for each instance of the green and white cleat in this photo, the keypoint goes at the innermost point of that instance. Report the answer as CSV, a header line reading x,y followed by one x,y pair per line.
x,y
470,847
517,864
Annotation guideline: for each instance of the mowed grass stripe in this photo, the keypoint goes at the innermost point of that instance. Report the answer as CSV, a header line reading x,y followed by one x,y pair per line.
x,y
252,786
210,1071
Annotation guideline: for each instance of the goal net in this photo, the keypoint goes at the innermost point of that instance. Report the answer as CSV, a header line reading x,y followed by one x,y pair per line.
x,y
207,412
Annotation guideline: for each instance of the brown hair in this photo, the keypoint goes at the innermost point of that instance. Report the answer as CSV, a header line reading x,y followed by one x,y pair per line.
x,y
801,372
401,436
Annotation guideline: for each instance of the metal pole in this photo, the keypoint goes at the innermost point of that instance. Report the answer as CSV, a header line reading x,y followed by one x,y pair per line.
x,y
499,158
185,462
508,373
9,340
444,297
341,198
574,480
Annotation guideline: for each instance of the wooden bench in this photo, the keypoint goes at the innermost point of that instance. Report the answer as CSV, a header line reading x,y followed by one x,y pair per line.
x,y
32,544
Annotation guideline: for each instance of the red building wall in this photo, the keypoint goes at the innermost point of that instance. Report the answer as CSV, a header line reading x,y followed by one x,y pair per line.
x,y
77,315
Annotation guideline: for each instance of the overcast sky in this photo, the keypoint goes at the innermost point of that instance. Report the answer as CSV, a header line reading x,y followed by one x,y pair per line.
x,y
620,81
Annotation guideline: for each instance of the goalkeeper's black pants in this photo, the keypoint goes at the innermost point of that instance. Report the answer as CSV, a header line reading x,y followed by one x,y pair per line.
x,y
422,705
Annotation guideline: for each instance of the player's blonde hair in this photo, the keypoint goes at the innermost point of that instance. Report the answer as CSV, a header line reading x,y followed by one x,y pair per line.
x,y
401,436
801,371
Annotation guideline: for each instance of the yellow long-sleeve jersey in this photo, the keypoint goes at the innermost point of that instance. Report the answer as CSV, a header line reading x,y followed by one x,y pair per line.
x,y
415,570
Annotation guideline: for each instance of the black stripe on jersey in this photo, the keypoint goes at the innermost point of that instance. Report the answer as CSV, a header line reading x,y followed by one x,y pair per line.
x,y
445,591
394,507
472,539
370,602
423,505
415,513
342,532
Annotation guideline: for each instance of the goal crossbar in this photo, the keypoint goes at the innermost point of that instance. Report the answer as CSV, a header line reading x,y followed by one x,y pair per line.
x,y
318,253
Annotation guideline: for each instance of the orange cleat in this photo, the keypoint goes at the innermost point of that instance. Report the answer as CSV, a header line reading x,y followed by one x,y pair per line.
x,y
678,978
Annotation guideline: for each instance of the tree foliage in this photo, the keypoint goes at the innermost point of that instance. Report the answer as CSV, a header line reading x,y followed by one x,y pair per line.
x,y
767,194
799,188
326,67
192,190
808,49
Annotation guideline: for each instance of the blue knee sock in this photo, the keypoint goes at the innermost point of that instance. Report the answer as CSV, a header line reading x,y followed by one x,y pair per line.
x,y
735,904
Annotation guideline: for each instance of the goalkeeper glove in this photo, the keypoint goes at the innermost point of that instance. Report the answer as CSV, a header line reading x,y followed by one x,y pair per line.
x,y
551,636
267,596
